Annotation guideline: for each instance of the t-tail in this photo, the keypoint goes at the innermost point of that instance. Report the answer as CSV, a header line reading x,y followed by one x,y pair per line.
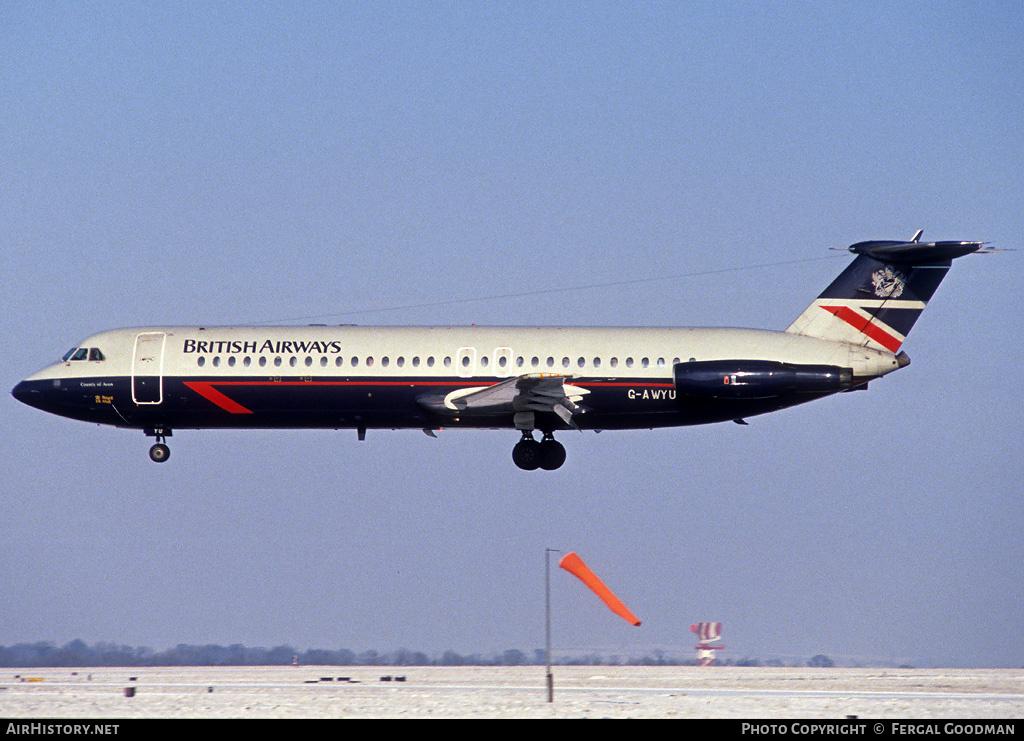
x,y
877,299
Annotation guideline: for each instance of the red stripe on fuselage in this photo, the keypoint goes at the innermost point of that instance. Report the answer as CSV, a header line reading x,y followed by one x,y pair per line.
x,y
865,326
209,393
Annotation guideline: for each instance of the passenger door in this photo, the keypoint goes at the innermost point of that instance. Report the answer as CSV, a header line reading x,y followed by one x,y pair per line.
x,y
148,368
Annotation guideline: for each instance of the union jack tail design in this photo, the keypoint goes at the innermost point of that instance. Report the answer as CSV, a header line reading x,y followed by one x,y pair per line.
x,y
877,299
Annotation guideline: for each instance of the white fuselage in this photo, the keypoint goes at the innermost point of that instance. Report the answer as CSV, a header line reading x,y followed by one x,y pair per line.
x,y
452,352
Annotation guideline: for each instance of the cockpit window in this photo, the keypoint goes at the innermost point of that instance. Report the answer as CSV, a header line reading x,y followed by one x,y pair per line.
x,y
83,353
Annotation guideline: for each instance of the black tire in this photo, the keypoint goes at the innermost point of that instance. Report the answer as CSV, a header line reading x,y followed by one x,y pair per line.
x,y
552,455
526,454
159,453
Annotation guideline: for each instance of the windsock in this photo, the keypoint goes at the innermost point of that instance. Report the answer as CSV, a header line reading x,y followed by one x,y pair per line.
x,y
575,566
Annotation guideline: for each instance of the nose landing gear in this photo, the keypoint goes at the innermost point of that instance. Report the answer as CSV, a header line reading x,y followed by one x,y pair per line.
x,y
159,452
530,455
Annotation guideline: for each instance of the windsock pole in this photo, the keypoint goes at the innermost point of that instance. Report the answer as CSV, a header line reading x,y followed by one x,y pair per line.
x,y
547,622
547,619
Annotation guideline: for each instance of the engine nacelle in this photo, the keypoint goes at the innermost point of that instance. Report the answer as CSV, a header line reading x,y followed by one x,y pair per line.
x,y
758,379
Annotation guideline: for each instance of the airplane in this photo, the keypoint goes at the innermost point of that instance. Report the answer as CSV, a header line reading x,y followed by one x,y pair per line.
x,y
531,380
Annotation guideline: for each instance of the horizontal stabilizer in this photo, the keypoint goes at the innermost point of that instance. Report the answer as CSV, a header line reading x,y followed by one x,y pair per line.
x,y
915,253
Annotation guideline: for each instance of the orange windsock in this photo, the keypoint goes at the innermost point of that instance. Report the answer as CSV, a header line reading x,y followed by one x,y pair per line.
x,y
575,566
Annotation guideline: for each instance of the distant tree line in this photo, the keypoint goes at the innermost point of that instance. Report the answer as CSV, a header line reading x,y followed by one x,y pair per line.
x,y
79,653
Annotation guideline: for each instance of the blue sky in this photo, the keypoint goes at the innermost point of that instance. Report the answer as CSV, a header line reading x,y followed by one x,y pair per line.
x,y
565,163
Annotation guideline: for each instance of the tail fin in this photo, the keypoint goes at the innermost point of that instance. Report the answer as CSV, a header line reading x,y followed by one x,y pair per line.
x,y
877,299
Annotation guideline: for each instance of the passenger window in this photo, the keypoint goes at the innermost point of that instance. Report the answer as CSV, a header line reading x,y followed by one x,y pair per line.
x,y
416,362
385,362
597,362
614,362
565,362
551,362
200,361
231,361
263,360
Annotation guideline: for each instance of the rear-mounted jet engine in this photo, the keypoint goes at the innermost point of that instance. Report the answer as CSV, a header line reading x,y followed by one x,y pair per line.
x,y
758,379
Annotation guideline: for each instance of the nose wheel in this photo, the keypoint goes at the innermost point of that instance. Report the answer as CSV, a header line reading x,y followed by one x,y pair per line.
x,y
529,455
159,453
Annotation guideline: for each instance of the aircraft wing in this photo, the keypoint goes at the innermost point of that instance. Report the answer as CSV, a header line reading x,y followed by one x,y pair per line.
x,y
533,392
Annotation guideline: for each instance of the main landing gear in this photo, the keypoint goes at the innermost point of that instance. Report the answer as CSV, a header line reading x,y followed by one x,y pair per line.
x,y
530,455
159,452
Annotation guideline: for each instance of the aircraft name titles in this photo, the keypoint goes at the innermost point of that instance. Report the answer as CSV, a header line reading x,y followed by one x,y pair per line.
x,y
280,347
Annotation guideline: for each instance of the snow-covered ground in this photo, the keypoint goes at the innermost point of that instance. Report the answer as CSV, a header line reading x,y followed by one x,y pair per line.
x,y
510,692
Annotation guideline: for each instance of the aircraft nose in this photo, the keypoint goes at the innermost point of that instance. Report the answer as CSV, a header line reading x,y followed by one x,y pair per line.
x,y
26,394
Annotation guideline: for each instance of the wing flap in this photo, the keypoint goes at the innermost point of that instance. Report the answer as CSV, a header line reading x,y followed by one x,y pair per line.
x,y
533,392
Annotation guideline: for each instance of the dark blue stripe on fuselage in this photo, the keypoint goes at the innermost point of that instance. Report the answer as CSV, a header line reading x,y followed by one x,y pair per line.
x,y
352,402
